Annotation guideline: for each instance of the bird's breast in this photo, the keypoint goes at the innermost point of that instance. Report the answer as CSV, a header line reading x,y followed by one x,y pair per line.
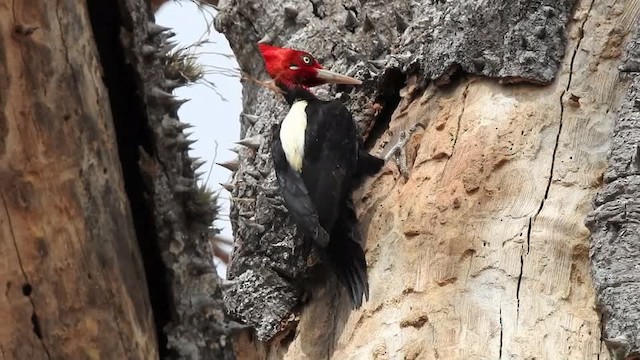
x,y
292,134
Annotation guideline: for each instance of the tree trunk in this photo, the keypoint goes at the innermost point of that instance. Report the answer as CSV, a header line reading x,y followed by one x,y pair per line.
x,y
482,252
74,285
104,230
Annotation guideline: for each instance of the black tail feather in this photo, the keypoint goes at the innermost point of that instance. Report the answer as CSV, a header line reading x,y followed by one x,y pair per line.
x,y
367,165
346,256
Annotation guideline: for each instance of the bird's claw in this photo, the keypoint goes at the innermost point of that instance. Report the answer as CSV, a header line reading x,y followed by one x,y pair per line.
x,y
398,151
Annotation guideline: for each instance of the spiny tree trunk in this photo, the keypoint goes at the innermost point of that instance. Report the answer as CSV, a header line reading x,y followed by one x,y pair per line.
x,y
104,234
482,252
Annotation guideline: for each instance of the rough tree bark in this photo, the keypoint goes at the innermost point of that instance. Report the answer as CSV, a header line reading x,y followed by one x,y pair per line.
x,y
482,252
71,269
97,191
615,246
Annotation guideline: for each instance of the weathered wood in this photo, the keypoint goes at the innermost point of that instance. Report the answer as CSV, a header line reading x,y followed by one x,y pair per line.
x,y
74,285
482,252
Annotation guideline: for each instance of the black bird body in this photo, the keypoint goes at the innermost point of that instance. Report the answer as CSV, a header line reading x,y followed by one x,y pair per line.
x,y
318,194
319,159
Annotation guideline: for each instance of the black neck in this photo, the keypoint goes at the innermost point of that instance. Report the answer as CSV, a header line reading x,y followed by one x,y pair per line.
x,y
293,93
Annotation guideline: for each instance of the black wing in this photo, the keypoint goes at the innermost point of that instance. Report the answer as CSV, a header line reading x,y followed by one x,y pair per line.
x,y
331,146
331,163
295,194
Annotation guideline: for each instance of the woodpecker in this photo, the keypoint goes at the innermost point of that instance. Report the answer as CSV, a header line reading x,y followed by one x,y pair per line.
x,y
319,159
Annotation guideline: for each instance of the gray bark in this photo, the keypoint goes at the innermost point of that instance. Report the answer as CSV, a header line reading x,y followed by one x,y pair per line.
x,y
387,44
615,238
182,212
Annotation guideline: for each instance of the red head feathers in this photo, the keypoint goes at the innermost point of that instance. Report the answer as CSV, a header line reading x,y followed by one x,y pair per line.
x,y
294,67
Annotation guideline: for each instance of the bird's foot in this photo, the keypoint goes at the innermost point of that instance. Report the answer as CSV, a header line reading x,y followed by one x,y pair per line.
x,y
398,151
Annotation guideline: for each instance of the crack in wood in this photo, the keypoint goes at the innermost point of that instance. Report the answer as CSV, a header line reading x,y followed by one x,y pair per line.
x,y
553,158
501,333
24,274
66,48
465,92
555,149
601,339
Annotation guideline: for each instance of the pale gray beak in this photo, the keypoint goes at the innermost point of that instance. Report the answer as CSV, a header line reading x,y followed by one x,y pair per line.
x,y
335,78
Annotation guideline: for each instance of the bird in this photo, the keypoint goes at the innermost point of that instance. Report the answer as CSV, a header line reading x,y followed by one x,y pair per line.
x,y
319,159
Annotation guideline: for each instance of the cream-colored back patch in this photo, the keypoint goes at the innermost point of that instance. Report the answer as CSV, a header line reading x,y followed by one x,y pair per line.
x,y
292,133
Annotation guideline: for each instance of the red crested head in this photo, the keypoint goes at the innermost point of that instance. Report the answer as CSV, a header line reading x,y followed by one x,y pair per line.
x,y
294,67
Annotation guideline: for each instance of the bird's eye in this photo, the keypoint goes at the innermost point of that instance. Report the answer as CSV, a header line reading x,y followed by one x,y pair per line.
x,y
306,59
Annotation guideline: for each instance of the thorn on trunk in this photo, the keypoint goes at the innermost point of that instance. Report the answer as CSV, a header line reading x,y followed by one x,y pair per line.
x,y
148,50
197,164
170,85
175,104
266,39
184,143
231,164
368,24
184,126
290,12
169,45
227,186
161,95
401,22
351,21
252,119
154,29
251,142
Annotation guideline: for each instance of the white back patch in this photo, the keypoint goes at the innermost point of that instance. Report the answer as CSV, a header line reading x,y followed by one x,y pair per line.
x,y
292,131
